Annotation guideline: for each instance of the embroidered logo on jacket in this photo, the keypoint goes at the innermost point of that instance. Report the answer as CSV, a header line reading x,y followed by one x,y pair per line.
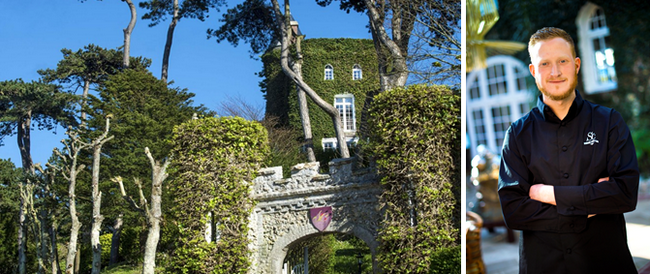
x,y
591,139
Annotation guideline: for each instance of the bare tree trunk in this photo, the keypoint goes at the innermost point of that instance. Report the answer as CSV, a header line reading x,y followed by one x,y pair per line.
x,y
127,33
402,24
74,232
168,44
21,233
24,145
97,200
306,126
159,174
96,225
304,109
35,222
77,262
24,142
54,253
43,240
284,61
74,146
115,240
152,213
84,97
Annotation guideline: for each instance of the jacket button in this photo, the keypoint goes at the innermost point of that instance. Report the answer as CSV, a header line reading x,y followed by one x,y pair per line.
x,y
572,208
566,175
571,225
568,251
564,148
563,124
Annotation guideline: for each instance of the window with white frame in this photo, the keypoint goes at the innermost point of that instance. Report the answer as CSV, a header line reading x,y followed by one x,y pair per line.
x,y
501,121
356,72
474,92
329,72
497,96
596,53
332,143
345,105
479,127
329,143
496,79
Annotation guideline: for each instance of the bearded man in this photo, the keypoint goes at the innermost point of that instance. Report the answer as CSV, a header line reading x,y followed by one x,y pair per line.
x,y
568,172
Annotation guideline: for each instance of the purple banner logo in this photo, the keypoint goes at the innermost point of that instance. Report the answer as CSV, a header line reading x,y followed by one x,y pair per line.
x,y
321,217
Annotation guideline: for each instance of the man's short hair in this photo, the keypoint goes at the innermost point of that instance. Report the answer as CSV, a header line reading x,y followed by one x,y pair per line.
x,y
550,33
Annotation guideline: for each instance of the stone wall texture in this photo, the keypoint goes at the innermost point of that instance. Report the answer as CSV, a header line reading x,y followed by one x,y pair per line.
x,y
281,216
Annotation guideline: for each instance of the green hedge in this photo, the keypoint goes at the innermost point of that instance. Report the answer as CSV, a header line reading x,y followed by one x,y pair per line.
x,y
214,163
415,139
447,260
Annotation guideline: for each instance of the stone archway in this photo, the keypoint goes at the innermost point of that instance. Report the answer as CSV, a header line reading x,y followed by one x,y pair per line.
x,y
281,246
281,215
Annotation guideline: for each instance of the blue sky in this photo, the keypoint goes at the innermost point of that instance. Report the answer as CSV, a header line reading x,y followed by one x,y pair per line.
x,y
32,34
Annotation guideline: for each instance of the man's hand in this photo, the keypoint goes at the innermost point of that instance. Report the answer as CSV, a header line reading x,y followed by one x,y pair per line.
x,y
545,193
599,180
542,193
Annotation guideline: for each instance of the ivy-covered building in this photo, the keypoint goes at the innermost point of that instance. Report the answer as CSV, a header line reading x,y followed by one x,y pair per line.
x,y
342,71
612,42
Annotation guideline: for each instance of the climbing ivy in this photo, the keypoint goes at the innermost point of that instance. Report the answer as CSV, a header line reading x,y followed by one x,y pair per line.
x,y
342,54
415,139
214,162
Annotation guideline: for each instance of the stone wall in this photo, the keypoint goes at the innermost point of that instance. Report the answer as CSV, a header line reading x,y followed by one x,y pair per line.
x,y
281,216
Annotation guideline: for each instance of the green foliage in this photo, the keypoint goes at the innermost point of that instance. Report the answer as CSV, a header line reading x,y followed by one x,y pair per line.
x,y
41,102
9,194
132,244
446,260
105,241
92,64
145,111
159,10
127,269
332,254
415,139
251,21
342,54
284,145
320,253
215,159
345,259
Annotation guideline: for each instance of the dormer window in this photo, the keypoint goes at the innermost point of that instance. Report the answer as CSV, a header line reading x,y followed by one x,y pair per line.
x,y
356,72
329,72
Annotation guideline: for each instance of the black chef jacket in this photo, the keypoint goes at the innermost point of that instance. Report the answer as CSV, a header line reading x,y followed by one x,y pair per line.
x,y
591,142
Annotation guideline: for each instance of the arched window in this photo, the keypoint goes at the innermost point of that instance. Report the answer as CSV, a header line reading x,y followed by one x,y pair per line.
x,y
356,72
596,53
497,96
329,72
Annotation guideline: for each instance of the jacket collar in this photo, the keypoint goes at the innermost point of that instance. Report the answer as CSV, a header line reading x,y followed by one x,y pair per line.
x,y
549,116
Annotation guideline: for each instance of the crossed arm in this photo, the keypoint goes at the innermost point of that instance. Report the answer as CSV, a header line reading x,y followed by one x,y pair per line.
x,y
546,193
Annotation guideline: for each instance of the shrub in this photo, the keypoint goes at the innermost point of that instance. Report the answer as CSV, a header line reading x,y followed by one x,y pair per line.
x,y
447,260
214,161
415,139
105,241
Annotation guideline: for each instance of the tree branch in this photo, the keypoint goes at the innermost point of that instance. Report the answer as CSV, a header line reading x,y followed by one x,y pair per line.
x,y
131,202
